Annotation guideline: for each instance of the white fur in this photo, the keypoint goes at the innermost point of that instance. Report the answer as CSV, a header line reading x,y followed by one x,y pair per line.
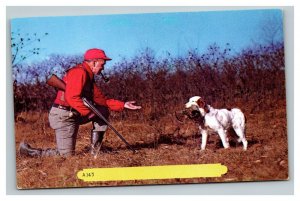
x,y
219,121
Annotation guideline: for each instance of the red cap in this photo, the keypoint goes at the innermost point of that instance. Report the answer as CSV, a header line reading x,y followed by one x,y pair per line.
x,y
95,54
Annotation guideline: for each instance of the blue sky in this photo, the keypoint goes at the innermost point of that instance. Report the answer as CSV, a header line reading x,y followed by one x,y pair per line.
x,y
124,35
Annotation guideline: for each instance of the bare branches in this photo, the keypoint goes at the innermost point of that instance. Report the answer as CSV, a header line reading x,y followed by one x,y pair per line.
x,y
24,46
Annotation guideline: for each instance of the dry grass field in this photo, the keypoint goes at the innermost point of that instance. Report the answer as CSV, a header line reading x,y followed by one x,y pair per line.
x,y
158,143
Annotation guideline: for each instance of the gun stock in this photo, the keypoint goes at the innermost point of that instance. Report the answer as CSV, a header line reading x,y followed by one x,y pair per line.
x,y
56,82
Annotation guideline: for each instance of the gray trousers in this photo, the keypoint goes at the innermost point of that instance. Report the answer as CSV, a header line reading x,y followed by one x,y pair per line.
x,y
66,127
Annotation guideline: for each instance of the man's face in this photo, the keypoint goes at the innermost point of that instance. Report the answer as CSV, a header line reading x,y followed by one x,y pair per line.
x,y
97,66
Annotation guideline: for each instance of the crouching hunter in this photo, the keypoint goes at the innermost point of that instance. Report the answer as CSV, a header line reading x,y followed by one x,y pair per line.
x,y
68,110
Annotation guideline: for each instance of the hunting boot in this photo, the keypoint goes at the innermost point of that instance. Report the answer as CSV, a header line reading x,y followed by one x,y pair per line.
x,y
96,141
26,150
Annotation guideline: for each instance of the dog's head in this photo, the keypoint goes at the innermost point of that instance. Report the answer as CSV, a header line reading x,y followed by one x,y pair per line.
x,y
197,103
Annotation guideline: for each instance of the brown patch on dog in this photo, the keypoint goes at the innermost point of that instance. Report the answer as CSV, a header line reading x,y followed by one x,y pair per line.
x,y
202,104
206,109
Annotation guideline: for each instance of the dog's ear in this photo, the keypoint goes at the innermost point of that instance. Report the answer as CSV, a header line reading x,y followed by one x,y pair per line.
x,y
201,103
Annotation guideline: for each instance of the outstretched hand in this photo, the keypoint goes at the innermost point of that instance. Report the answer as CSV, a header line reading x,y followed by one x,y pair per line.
x,y
130,105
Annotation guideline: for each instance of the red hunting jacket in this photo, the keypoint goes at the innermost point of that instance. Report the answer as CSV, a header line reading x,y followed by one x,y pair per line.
x,y
80,83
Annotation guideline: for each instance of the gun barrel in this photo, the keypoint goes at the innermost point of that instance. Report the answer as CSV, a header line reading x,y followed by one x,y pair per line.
x,y
98,113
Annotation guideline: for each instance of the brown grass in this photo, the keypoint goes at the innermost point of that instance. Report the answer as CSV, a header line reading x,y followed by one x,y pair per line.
x,y
158,143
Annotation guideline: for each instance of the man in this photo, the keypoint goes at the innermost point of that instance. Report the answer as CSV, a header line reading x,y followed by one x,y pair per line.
x,y
69,111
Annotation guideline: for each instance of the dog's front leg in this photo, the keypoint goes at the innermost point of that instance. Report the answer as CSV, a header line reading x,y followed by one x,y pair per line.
x,y
223,137
204,138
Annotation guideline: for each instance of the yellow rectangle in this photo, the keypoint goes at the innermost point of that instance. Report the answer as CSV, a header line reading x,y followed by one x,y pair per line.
x,y
152,172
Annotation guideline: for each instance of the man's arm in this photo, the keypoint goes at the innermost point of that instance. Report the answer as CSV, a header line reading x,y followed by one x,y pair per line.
x,y
112,104
76,78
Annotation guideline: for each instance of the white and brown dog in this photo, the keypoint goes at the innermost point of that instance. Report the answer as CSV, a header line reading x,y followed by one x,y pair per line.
x,y
219,121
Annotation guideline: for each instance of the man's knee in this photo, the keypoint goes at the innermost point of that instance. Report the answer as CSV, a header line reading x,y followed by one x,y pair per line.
x,y
105,113
66,140
66,152
97,127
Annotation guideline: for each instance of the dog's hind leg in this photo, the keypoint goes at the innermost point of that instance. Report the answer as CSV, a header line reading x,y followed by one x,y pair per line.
x,y
224,138
241,133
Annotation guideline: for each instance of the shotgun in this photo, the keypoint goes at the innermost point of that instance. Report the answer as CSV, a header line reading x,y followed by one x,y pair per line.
x,y
57,83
